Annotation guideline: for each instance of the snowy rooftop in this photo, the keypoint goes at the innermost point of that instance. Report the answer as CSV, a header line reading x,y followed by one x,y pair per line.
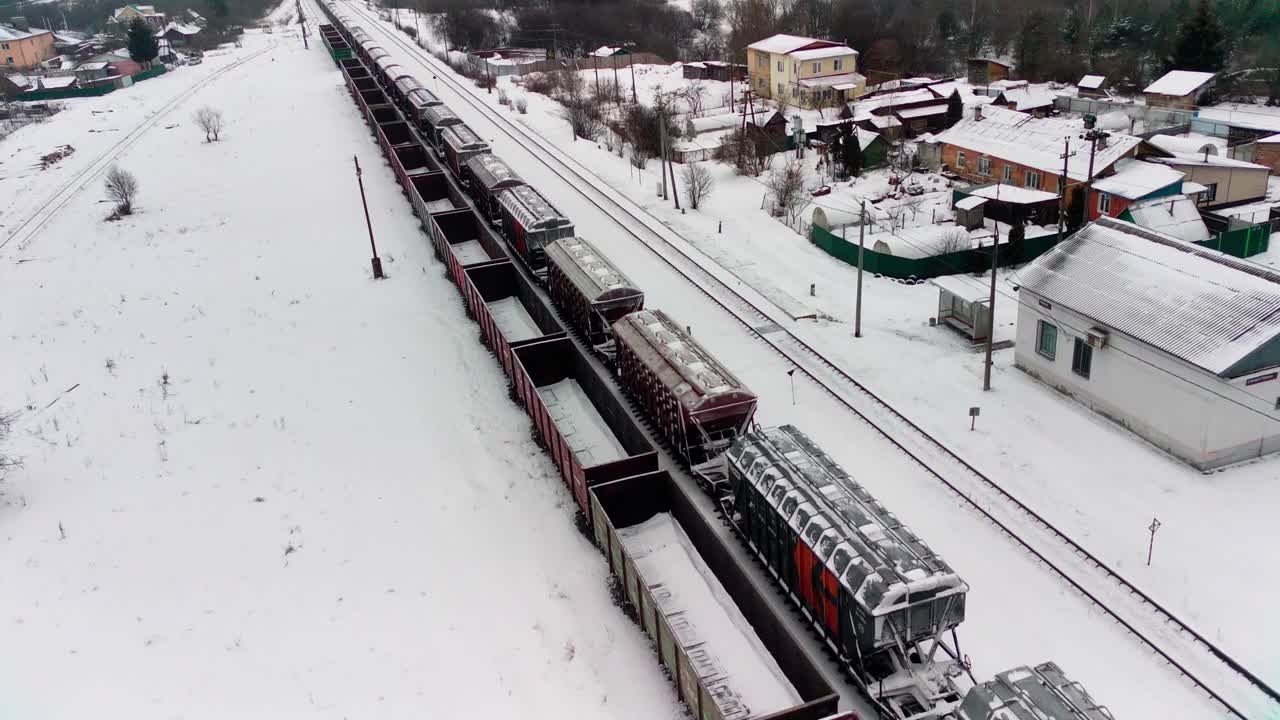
x,y
1209,161
590,271
99,65
492,172
1014,194
962,286
784,44
845,81
52,83
1091,82
1252,116
970,203
9,32
1187,144
1270,140
1179,82
1175,215
923,111
702,375
1023,99
1035,142
1025,693
825,52
878,559
1136,179
183,28
1206,308
533,210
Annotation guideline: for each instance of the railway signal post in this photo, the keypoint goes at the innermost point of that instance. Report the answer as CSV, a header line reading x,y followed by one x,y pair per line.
x,y
376,261
1151,544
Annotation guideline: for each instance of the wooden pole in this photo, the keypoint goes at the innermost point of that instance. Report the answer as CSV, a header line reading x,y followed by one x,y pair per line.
x,y
862,233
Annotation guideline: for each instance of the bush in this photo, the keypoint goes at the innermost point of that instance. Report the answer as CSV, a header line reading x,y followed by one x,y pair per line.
x,y
522,105
122,188
541,83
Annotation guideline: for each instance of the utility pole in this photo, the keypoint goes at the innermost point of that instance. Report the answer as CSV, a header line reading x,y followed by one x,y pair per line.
x,y
632,62
377,261
862,234
1093,135
1062,188
595,65
675,191
302,20
662,147
991,307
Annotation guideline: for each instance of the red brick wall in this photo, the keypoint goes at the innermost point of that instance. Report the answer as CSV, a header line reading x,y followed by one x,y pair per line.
x,y
1268,154
1048,181
1118,205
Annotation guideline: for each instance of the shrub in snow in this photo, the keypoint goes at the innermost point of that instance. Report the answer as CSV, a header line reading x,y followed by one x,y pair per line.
x,y
522,104
210,121
503,98
122,189
7,462
698,183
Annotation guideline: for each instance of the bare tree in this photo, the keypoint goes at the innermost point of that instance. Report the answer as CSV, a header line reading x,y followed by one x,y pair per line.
x,y
952,240
122,189
693,95
579,108
786,189
698,183
210,121
7,462
913,203
746,150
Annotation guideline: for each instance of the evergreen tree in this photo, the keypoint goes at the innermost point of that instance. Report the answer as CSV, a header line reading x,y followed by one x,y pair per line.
x,y
1200,43
143,47
955,108
853,155
219,8
839,144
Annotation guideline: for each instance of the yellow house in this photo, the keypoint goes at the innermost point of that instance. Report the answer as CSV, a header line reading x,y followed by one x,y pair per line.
x,y
804,71
22,49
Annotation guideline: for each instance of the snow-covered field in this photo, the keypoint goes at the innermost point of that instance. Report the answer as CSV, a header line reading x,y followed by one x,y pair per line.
x,y
258,483
1214,528
1017,613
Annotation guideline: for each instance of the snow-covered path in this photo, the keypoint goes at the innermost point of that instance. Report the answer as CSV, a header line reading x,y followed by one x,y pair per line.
x,y
1017,612
280,489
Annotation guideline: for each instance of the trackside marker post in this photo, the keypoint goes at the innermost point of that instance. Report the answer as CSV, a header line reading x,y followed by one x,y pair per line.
x,y
1155,525
377,261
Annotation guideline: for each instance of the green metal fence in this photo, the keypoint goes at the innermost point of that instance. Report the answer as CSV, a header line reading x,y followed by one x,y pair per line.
x,y
70,93
1242,243
964,261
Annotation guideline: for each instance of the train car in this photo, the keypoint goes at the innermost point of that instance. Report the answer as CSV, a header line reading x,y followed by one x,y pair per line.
x,y
416,102
529,222
361,84
461,143
431,193
409,161
388,71
1043,691
508,309
353,66
434,120
582,423
591,292
880,597
394,134
404,85
376,108
725,644
461,240
487,176
696,403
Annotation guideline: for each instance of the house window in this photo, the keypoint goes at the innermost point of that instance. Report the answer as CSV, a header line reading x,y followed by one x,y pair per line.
x,y
1210,194
984,165
1104,204
1032,180
817,67
1007,174
794,93
8,61
781,67
959,158
762,62
782,89
837,64
1047,339
1082,358
4,46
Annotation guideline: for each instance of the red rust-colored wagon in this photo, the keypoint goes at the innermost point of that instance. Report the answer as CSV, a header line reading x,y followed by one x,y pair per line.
x,y
591,291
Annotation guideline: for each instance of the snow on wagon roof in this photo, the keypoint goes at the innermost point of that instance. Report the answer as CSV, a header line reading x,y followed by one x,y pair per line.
x,y
440,115
698,375
532,210
461,137
876,558
1023,693
1206,308
591,273
492,172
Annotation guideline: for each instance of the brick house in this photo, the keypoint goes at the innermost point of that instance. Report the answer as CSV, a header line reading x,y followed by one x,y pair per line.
x,y
24,49
1132,182
1267,152
994,144
806,72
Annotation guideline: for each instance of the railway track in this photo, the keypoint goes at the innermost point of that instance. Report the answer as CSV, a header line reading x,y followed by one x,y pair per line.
x,y
26,231
1185,649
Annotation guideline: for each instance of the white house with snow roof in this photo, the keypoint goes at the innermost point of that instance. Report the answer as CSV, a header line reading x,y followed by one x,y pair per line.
x,y
804,71
1179,344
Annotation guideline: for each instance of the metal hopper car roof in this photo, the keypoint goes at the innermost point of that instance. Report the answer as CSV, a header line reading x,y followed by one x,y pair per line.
x,y
422,98
461,137
530,209
491,172
440,116
1025,693
595,278
687,370
406,84
881,562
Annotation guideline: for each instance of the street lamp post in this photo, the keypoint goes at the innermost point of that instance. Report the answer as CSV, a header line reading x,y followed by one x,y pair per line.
x,y
376,261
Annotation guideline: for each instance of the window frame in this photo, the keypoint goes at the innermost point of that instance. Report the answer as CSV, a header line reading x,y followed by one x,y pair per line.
x,y
817,67
837,64
960,158
1027,178
984,165
1210,192
1082,358
1104,203
1041,326
1006,174
782,67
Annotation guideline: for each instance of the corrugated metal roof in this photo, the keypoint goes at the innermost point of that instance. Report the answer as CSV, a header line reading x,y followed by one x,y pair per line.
x,y
596,279
875,556
461,137
1206,308
440,116
690,372
533,211
491,172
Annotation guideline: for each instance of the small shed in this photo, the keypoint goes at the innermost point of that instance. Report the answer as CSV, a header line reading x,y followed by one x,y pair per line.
x,y
1177,89
964,303
1092,86
1018,205
969,213
984,71
772,124
714,70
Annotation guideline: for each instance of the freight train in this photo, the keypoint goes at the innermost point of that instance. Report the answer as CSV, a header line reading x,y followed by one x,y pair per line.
x,y
883,602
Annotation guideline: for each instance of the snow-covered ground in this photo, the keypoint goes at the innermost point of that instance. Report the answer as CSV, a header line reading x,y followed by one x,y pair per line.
x,y
1017,613
258,483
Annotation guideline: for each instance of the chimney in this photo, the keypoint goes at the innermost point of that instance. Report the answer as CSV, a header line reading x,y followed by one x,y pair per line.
x,y
977,112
